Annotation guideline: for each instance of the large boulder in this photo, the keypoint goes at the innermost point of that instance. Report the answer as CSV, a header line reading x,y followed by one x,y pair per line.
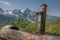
x,y
10,32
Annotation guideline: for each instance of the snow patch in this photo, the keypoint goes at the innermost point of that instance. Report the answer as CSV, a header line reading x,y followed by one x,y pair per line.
x,y
30,20
22,11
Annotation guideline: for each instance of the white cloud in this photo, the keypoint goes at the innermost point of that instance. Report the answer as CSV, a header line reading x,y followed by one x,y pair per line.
x,y
6,3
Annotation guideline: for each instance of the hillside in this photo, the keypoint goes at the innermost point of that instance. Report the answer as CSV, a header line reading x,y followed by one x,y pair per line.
x,y
27,20
51,27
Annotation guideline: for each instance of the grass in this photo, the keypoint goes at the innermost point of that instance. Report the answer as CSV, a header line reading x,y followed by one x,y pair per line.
x,y
51,27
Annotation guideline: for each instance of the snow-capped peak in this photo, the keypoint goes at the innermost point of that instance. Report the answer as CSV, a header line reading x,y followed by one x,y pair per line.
x,y
22,11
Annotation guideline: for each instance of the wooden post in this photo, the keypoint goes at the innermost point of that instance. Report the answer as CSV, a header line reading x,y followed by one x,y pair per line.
x,y
42,18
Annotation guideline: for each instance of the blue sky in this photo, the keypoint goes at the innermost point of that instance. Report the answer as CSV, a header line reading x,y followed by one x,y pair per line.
x,y
34,5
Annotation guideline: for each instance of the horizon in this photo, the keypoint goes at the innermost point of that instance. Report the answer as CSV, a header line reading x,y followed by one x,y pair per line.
x,y
52,9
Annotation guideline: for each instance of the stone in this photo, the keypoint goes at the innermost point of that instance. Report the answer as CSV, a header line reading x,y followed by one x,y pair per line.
x,y
10,32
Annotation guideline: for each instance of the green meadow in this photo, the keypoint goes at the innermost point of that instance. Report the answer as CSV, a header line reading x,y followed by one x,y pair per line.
x,y
51,27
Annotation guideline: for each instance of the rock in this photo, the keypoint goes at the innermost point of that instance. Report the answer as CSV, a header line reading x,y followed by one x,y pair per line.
x,y
10,32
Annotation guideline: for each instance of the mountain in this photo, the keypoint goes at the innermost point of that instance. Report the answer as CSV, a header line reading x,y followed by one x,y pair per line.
x,y
16,12
11,15
51,18
6,18
1,11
